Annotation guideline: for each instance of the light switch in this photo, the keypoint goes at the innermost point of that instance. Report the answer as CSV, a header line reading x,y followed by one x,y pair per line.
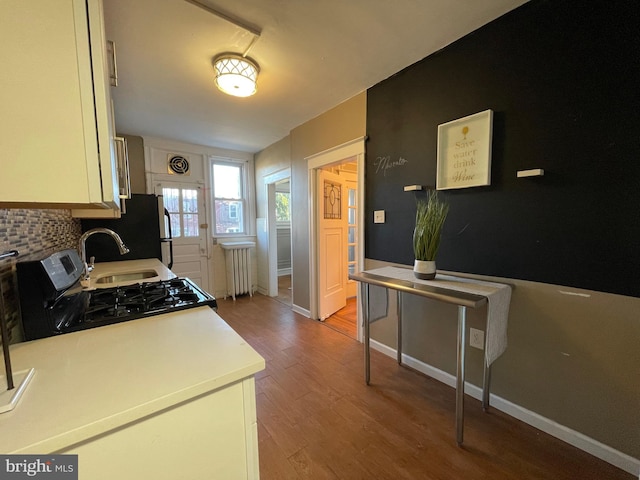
x,y
378,216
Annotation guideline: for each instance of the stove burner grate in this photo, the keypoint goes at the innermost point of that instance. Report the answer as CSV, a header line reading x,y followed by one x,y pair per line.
x,y
111,305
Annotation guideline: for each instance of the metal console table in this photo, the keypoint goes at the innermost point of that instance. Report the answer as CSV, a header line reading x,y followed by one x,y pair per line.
x,y
463,292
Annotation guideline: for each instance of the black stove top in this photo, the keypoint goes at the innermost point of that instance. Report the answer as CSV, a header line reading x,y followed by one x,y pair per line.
x,y
52,302
105,306
142,298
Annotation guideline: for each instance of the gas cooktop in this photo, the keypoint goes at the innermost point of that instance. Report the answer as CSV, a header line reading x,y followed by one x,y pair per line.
x,y
52,302
94,308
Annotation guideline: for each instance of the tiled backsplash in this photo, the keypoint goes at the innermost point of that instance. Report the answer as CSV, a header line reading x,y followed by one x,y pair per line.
x,y
34,234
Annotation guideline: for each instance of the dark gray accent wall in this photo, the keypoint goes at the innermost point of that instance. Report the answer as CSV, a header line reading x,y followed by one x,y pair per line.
x,y
562,78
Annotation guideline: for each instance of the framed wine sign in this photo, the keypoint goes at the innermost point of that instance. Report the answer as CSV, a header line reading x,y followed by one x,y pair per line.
x,y
464,152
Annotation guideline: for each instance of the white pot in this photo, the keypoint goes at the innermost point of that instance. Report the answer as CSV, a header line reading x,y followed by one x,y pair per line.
x,y
424,269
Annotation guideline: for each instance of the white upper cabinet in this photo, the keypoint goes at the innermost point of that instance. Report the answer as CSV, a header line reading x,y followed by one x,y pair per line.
x,y
56,124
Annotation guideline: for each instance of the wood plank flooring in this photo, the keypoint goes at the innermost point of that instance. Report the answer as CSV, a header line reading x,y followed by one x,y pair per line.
x,y
284,289
345,320
318,420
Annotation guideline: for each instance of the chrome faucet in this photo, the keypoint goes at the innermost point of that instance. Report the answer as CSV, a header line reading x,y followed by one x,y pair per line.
x,y
83,250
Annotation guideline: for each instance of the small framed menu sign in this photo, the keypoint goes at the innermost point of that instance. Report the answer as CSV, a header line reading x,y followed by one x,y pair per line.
x,y
464,152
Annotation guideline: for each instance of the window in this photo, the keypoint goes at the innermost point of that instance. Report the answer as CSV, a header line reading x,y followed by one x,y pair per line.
x,y
229,199
233,212
182,205
283,210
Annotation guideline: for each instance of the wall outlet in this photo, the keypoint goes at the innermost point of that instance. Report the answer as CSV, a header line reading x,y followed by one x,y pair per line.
x,y
476,338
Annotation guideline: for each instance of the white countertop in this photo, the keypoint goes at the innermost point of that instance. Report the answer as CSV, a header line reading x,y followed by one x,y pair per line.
x,y
92,381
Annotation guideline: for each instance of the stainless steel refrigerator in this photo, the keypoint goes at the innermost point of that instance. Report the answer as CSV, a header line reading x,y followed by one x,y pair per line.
x,y
145,228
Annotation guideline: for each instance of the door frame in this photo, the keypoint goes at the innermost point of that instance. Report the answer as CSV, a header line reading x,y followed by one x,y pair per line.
x,y
353,149
272,233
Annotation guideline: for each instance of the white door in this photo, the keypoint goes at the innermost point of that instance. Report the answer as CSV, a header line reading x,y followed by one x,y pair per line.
x,y
185,204
332,245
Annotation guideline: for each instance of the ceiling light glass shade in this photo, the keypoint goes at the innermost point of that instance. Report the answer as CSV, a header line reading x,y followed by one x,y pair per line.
x,y
236,75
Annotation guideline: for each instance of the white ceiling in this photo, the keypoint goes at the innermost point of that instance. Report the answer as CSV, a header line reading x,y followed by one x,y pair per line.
x,y
313,55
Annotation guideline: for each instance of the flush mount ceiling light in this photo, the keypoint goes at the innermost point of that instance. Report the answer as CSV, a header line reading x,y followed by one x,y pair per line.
x,y
236,75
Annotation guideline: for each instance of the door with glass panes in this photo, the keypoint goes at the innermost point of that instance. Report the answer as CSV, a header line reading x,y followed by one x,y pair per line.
x,y
351,185
185,204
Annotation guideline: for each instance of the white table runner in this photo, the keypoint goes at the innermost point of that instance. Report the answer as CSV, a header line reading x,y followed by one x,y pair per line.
x,y
498,295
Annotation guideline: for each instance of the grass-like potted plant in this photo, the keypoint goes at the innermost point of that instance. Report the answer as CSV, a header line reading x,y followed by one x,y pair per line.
x,y
430,216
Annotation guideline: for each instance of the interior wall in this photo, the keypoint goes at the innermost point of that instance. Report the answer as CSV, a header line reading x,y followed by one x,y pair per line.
x,y
273,159
560,95
157,151
334,127
284,249
337,126
572,356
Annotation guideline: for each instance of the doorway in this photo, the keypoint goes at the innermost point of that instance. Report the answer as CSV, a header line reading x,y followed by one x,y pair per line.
x,y
338,172
345,319
339,313
185,205
283,240
278,236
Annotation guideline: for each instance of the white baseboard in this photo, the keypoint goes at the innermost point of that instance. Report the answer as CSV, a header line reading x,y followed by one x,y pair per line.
x,y
572,437
284,271
262,291
381,347
301,311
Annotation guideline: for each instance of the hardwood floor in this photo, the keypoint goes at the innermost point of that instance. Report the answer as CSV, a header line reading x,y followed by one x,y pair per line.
x,y
284,289
345,320
318,420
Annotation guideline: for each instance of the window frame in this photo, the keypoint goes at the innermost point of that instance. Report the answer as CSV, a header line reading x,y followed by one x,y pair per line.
x,y
246,196
233,211
181,212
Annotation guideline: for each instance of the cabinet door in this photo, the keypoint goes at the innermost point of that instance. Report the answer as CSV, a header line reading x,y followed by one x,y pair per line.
x,y
48,127
213,436
105,121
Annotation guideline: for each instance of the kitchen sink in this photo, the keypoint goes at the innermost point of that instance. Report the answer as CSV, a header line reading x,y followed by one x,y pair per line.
x,y
127,276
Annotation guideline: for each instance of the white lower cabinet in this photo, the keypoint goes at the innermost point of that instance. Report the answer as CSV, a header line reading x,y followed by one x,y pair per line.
x,y
213,436
56,127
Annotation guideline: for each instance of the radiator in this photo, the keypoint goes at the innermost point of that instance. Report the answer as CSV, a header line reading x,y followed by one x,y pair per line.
x,y
238,263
